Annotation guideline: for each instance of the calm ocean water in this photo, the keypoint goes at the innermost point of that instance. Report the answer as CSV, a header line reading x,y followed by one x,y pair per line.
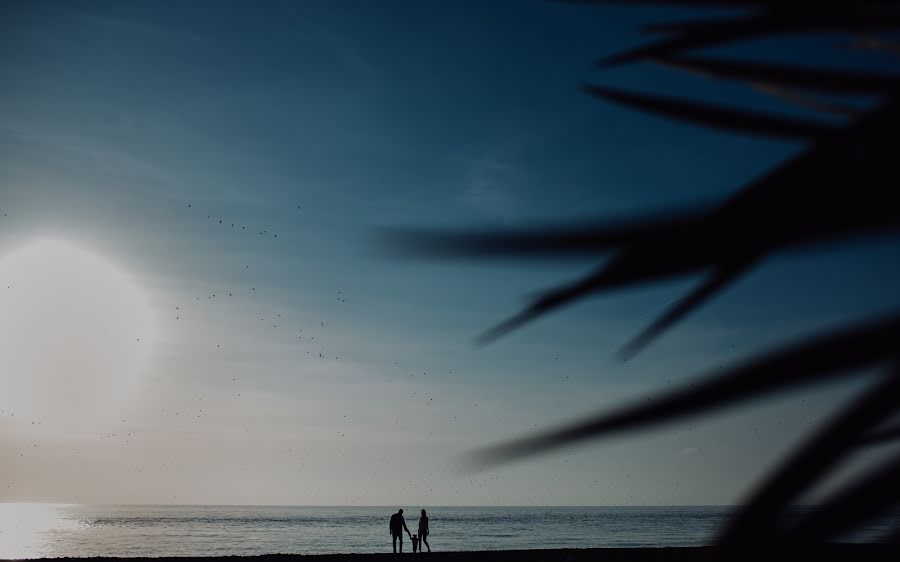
x,y
44,530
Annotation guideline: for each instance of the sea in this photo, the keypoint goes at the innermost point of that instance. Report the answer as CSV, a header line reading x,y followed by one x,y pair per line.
x,y
52,530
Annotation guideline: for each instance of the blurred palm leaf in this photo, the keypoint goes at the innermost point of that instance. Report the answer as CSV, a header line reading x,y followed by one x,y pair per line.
x,y
841,186
838,188
821,358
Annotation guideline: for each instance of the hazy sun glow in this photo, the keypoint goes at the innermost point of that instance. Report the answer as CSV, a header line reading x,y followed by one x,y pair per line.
x,y
74,332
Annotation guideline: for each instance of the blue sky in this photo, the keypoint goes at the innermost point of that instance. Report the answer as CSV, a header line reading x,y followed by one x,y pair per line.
x,y
132,129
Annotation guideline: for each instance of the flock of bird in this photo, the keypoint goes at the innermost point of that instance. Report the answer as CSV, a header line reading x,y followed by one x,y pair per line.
x,y
312,338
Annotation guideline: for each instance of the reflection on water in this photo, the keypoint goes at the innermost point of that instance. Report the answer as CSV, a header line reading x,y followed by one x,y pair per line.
x,y
28,530
42,530
47,530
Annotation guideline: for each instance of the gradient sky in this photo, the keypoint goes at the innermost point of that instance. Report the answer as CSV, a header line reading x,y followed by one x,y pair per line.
x,y
128,131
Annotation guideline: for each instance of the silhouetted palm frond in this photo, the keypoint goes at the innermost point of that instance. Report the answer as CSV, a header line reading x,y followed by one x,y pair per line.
x,y
555,242
717,117
838,188
842,185
839,354
870,496
812,79
881,435
763,519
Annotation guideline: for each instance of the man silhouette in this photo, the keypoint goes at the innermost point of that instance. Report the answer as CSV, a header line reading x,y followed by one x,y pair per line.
x,y
398,524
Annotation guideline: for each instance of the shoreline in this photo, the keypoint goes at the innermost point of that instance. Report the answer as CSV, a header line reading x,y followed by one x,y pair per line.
x,y
822,553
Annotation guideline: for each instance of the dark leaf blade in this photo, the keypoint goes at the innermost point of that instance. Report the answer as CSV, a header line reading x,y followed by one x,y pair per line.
x,y
716,238
833,81
892,539
758,519
806,101
881,436
812,360
716,282
668,47
872,43
869,496
690,35
548,302
842,18
709,115
549,242
512,323
718,3
684,36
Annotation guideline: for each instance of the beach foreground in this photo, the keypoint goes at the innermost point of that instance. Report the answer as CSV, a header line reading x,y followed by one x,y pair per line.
x,y
828,553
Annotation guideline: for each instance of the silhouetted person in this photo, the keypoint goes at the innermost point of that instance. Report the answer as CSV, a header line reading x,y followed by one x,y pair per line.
x,y
415,541
423,532
397,526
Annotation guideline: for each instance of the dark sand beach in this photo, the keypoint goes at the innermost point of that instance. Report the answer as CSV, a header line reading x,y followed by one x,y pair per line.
x,y
827,553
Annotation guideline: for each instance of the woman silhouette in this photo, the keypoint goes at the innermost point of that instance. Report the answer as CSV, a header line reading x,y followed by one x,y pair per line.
x,y
423,532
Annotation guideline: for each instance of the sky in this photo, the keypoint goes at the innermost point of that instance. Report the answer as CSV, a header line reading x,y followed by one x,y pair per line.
x,y
196,308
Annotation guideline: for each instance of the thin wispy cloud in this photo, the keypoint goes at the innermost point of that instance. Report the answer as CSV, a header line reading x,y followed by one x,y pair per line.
x,y
688,451
491,184
87,151
339,46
